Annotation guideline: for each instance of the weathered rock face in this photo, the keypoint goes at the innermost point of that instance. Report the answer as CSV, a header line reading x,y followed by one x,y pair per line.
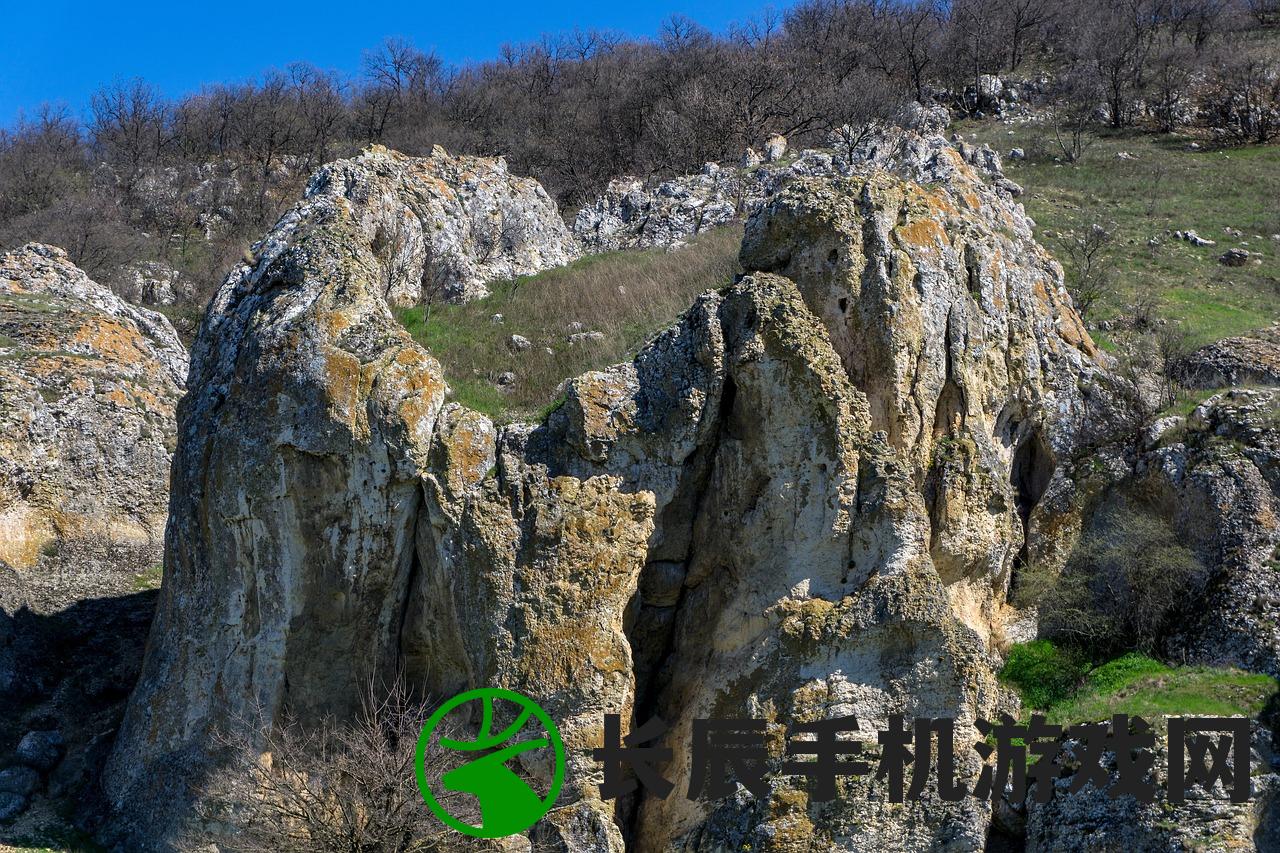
x,y
634,214
88,389
442,226
1215,476
1091,820
802,501
1218,475
153,283
1246,360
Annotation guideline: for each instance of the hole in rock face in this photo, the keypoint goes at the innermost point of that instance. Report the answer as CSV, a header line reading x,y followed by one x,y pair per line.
x,y
1030,473
833,256
844,304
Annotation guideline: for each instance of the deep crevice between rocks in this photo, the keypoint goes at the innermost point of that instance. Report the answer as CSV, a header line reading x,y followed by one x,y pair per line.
x,y
661,621
1029,474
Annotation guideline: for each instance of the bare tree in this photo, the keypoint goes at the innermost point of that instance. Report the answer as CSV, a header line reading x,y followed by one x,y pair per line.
x,y
1090,266
129,124
1076,97
1244,101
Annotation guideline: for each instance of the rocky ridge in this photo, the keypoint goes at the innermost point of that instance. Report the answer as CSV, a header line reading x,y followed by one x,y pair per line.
x,y
634,213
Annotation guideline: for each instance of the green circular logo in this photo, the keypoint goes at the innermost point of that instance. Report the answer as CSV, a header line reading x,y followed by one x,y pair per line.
x,y
508,804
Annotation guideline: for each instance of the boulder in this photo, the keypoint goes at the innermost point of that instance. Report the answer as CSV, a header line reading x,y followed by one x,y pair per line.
x,y
1193,238
1234,258
1252,359
11,805
19,780
89,385
774,148
152,283
925,120
41,750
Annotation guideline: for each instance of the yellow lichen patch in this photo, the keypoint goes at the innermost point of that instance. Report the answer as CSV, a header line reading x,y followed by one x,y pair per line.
x,y
806,621
23,534
116,340
334,323
923,233
469,446
118,397
572,653
344,381
1070,328
790,829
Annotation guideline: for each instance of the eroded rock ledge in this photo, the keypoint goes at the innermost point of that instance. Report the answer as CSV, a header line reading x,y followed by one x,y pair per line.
x,y
803,500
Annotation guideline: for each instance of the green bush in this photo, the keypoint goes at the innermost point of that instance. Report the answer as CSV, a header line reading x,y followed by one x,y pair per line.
x,y
1044,674
1059,682
1118,674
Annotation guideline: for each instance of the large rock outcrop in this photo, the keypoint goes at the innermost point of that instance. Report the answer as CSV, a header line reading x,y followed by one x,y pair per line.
x,y
88,390
441,227
802,501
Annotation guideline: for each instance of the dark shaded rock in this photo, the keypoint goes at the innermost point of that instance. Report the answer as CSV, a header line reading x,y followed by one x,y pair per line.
x,y
41,750
11,805
18,780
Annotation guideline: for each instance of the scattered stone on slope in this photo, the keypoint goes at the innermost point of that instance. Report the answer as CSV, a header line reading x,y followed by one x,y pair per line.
x,y
1190,236
88,390
443,226
1234,258
822,475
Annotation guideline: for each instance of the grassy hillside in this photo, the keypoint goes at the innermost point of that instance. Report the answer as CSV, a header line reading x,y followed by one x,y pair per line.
x,y
624,296
1165,187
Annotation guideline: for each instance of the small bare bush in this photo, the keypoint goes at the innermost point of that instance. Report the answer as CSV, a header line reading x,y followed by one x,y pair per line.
x,y
1090,267
330,788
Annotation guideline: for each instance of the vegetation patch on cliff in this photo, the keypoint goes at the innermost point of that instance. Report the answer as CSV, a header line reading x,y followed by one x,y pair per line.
x,y
507,354
1058,682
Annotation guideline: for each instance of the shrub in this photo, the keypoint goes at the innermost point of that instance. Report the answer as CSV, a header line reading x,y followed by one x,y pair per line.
x,y
1122,585
1043,673
335,787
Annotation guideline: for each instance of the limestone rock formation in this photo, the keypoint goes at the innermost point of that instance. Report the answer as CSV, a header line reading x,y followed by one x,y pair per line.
x,y
634,214
442,227
88,390
1219,478
802,501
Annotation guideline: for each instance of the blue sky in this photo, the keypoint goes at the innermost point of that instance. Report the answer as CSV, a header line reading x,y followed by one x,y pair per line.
x,y
62,50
